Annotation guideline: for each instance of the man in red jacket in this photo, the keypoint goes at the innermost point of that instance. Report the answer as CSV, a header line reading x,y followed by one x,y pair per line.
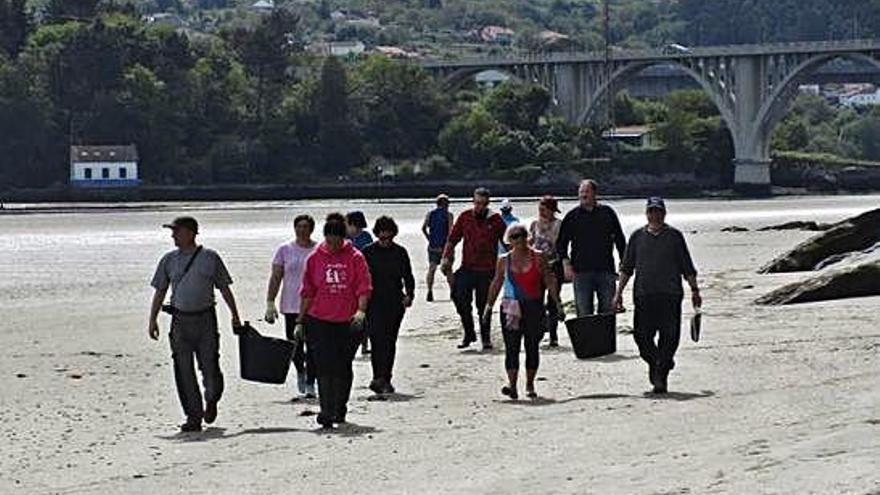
x,y
481,230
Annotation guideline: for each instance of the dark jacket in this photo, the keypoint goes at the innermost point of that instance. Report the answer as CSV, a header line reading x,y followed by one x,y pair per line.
x,y
593,236
391,273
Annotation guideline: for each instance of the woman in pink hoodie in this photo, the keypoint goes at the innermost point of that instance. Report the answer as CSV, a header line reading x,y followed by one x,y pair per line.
x,y
335,291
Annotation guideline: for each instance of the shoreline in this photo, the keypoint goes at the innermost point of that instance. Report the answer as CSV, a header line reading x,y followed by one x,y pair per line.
x,y
152,198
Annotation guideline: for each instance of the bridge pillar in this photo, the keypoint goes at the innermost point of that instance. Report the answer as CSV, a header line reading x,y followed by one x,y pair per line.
x,y
752,162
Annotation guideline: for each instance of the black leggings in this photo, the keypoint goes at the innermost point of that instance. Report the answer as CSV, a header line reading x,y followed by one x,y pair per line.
x,y
530,330
383,321
334,346
303,357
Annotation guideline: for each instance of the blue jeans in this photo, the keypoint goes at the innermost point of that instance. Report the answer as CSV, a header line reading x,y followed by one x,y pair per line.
x,y
601,283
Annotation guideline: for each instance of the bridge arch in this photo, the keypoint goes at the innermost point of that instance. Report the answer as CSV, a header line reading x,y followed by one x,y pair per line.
x,y
782,94
717,91
456,80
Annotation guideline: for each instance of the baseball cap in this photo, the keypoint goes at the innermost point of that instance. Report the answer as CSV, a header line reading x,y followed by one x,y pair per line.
x,y
188,223
550,202
506,204
442,197
656,202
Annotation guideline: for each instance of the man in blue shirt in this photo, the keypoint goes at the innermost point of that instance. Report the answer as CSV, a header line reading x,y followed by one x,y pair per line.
x,y
436,227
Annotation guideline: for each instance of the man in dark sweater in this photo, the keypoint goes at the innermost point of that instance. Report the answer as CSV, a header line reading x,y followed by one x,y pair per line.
x,y
393,292
592,230
659,256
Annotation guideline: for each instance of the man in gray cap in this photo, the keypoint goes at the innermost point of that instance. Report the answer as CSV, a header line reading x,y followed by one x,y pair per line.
x,y
658,255
193,272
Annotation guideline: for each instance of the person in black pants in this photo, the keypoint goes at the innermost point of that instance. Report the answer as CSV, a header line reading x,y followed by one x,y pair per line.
x,y
335,292
659,256
525,274
393,292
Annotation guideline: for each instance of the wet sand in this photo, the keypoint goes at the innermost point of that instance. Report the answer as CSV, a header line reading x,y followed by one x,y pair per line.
x,y
772,400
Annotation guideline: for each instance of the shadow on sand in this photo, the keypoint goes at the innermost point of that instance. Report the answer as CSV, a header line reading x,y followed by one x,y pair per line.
x,y
395,397
347,430
217,433
669,396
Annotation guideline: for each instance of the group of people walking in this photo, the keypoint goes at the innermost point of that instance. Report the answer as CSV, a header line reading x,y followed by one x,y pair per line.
x,y
352,290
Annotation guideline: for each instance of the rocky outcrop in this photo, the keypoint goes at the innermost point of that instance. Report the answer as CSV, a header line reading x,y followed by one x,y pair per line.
x,y
799,225
857,281
854,234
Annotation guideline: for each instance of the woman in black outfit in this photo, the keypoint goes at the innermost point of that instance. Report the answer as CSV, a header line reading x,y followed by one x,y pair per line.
x,y
393,292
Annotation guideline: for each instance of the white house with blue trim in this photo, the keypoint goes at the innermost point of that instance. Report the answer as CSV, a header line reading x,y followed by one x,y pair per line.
x,y
104,166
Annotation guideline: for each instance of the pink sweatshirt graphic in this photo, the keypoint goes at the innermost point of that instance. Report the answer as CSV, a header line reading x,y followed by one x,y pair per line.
x,y
334,282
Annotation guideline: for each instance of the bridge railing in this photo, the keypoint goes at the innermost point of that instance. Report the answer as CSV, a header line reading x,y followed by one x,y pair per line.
x,y
659,53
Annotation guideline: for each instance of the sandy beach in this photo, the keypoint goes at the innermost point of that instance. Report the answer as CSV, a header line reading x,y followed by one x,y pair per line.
x,y
773,400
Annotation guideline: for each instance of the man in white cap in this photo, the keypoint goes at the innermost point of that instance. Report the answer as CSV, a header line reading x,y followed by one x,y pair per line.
x,y
658,255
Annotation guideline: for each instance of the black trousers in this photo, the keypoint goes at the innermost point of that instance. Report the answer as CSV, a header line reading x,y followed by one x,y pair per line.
x,y
334,346
303,358
470,285
383,320
658,314
194,338
530,331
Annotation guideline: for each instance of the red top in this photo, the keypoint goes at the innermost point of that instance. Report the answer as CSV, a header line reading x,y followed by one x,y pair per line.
x,y
481,237
334,282
529,283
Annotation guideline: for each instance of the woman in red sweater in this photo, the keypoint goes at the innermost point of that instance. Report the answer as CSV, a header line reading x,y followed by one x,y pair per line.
x,y
335,292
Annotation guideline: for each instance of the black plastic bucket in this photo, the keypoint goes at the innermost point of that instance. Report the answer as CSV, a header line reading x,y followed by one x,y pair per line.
x,y
593,336
263,359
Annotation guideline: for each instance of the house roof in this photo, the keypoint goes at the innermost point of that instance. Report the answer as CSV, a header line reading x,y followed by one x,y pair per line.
x,y
632,131
91,154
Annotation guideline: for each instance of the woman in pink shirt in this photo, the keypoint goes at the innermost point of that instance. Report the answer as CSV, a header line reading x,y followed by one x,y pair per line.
x,y
288,267
335,291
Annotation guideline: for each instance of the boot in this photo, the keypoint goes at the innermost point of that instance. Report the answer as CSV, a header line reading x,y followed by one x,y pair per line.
x,y
342,390
327,400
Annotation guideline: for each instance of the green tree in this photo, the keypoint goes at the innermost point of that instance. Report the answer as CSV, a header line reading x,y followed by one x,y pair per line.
x,y
401,109
15,24
340,145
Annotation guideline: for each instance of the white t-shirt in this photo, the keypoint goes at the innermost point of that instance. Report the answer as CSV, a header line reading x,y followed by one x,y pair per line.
x,y
292,257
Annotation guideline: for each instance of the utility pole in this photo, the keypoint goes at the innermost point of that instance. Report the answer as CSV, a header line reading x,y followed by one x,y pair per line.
x,y
609,69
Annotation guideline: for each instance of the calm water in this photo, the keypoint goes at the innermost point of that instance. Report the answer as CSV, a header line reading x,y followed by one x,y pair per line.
x,y
69,268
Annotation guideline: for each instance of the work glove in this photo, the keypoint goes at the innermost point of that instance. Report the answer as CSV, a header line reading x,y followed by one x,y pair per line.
x,y
299,332
560,311
358,319
271,312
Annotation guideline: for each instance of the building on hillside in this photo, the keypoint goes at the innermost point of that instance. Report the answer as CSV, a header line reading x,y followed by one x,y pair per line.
x,y
165,19
495,35
396,52
861,99
556,42
104,166
263,5
338,48
488,79
637,136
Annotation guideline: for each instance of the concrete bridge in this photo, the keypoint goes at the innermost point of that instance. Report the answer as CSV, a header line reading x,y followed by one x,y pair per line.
x,y
752,85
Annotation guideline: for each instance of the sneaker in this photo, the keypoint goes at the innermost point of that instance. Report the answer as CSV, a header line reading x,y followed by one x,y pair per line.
x,y
554,343
324,421
191,426
301,382
510,392
430,297
487,346
210,411
377,386
311,392
388,388
531,394
660,382
466,342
